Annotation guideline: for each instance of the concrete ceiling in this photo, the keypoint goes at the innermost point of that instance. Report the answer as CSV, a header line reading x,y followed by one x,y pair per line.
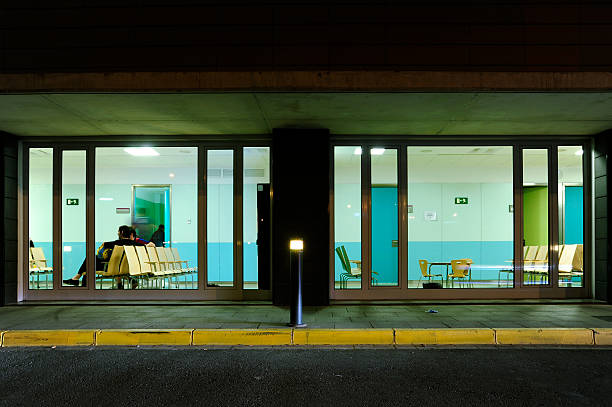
x,y
343,113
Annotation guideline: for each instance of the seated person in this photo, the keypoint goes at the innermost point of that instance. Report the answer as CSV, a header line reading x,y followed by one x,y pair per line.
x,y
126,238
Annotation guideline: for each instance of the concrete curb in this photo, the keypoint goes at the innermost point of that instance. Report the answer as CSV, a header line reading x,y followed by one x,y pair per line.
x,y
301,337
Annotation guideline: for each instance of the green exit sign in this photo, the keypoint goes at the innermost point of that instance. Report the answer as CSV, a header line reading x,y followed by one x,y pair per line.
x,y
461,200
72,201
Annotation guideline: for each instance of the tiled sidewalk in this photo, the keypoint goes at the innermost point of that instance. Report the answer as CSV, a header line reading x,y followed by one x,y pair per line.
x,y
129,316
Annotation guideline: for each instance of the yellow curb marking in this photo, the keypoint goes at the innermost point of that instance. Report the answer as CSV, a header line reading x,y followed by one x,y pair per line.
x,y
260,337
450,336
343,336
602,336
544,336
113,337
48,338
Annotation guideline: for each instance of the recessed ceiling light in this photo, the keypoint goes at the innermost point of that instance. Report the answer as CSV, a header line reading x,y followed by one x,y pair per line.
x,y
357,151
141,151
377,151
106,199
528,184
171,175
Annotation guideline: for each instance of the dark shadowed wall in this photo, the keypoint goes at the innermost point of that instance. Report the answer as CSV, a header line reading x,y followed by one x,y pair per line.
x,y
8,262
300,208
603,271
160,35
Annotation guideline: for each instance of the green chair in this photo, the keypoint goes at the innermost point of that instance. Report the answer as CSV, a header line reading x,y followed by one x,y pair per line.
x,y
350,272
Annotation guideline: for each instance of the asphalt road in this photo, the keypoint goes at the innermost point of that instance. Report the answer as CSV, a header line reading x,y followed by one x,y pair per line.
x,y
313,377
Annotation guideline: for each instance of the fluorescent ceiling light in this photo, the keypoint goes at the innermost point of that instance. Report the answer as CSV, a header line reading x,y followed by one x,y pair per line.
x,y
528,184
171,175
377,151
141,151
357,151
579,152
106,199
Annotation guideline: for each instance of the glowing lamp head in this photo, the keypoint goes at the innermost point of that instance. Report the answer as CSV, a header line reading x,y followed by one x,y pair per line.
x,y
296,245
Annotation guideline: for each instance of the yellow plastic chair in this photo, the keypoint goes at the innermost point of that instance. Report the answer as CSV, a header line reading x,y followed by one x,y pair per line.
x,y
423,265
459,271
38,266
114,268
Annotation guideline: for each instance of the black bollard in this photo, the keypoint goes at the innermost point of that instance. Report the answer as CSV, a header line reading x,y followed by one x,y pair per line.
x,y
295,269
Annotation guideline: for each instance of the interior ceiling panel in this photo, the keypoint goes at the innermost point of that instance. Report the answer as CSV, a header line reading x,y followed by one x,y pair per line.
x,y
511,113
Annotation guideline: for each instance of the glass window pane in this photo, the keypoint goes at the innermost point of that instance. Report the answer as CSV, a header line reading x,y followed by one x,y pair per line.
x,y
347,217
220,218
154,191
73,213
460,217
535,217
571,217
40,212
385,229
256,218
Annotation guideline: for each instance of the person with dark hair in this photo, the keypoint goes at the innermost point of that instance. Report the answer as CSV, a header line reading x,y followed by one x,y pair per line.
x,y
159,236
126,237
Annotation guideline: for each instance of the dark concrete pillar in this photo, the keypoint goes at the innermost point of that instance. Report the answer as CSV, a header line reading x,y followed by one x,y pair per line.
x,y
603,271
8,262
300,208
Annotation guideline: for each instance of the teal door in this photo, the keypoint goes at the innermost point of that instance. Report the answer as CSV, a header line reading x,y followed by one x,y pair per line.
x,y
384,236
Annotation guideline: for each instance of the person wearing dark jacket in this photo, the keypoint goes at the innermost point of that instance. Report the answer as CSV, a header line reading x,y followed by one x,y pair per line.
x,y
125,238
159,236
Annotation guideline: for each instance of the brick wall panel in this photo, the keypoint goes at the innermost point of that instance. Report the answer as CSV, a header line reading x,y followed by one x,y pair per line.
x,y
552,55
299,35
507,55
428,34
301,56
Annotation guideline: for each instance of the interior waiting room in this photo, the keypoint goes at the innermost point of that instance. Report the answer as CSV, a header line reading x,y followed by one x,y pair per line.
x,y
460,216
153,191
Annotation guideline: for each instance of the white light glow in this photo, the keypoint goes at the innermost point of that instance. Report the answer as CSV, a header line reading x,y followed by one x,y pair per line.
x,y
348,206
106,199
171,175
141,151
377,151
296,245
357,151
67,248
528,184
579,152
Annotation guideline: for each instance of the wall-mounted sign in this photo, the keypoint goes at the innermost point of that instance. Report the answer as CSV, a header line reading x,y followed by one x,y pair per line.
x,y
510,208
461,200
123,210
72,201
430,215
410,208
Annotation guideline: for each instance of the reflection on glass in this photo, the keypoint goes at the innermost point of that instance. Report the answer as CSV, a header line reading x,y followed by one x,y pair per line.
x,y
73,214
154,191
571,217
385,229
220,218
347,217
40,212
535,217
256,218
460,217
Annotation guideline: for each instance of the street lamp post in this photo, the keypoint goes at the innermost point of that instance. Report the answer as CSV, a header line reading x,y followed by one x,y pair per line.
x,y
296,248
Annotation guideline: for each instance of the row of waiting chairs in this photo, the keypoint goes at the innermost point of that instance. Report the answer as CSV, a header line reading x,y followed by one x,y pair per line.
x,y
158,267
39,266
535,263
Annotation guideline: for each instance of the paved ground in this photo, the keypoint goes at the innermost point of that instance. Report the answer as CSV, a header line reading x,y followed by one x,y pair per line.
x,y
313,377
336,316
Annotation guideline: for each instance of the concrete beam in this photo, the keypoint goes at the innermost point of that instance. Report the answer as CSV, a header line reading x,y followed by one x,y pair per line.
x,y
312,81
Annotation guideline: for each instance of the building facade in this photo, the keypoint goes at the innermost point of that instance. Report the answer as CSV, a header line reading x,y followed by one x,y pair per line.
x,y
420,151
